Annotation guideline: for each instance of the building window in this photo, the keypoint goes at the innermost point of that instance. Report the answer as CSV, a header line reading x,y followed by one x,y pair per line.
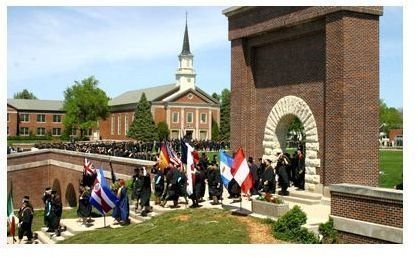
x,y
189,117
56,131
40,118
203,135
203,118
56,118
175,117
24,131
174,134
126,124
112,125
24,117
40,131
119,124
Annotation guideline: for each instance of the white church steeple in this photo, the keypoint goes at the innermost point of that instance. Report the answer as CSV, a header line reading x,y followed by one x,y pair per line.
x,y
185,75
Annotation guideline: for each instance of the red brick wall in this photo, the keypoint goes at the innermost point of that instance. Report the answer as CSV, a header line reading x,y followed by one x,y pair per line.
x,y
185,99
349,238
32,124
374,210
330,61
33,181
395,132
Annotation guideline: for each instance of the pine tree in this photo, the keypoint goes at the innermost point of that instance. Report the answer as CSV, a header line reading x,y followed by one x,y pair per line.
x,y
143,127
215,130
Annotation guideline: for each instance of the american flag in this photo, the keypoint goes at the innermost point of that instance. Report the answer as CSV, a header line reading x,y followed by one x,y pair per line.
x,y
173,156
89,167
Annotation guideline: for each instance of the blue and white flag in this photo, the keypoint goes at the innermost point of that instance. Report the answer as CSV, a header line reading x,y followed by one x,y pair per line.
x,y
102,198
225,162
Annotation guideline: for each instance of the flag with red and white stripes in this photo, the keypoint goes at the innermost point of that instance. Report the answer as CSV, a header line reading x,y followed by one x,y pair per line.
x,y
241,171
89,167
173,156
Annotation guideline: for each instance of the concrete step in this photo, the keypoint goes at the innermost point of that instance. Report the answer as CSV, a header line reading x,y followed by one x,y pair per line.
x,y
45,237
300,200
305,195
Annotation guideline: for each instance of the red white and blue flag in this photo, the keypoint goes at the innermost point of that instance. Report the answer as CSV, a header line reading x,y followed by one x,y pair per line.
x,y
89,167
173,156
102,198
241,171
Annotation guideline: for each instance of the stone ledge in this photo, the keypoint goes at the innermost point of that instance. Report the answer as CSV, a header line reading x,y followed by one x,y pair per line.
x,y
367,229
362,190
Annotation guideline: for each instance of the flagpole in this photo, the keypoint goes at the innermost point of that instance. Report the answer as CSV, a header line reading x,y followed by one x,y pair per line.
x,y
104,219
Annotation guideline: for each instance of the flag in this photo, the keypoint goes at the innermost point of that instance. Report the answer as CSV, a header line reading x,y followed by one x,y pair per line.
x,y
183,152
173,156
190,169
102,197
163,158
225,162
241,171
89,167
10,212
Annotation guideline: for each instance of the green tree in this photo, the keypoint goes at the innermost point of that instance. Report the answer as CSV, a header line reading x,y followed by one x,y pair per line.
x,y
390,117
216,96
296,126
163,131
215,130
225,114
84,104
143,127
24,94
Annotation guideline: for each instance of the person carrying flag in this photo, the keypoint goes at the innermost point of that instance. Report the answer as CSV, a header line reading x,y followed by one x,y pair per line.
x,y
121,210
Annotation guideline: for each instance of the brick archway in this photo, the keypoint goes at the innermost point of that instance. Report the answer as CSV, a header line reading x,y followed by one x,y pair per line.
x,y
276,130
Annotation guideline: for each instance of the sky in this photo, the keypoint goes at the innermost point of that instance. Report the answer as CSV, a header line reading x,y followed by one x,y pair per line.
x,y
128,48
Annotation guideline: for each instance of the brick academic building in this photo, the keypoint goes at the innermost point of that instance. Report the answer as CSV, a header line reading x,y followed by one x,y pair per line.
x,y
186,109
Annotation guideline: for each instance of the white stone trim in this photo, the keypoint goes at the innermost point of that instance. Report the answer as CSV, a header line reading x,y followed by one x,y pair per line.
x,y
368,229
276,129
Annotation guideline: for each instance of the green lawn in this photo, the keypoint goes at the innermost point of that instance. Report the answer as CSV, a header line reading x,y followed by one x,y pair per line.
x,y
191,226
391,164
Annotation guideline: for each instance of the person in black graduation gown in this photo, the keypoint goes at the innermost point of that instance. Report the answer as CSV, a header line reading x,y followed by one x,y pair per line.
x,y
159,180
135,188
198,188
300,170
25,216
269,179
234,189
145,191
214,183
260,173
282,164
84,205
253,170
182,181
46,199
172,186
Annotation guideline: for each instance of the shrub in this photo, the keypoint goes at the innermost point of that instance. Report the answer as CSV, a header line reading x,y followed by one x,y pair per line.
x,y
289,227
329,234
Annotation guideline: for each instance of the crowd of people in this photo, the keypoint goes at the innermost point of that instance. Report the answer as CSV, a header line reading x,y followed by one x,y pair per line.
x,y
132,149
171,184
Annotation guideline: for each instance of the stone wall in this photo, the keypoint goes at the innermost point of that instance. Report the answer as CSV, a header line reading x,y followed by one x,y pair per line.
x,y
366,214
31,172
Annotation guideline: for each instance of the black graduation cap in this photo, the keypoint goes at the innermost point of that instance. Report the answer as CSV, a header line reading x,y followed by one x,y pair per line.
x,y
25,198
48,188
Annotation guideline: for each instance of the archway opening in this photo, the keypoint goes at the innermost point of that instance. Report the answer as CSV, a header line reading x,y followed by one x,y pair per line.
x,y
292,113
70,196
57,186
